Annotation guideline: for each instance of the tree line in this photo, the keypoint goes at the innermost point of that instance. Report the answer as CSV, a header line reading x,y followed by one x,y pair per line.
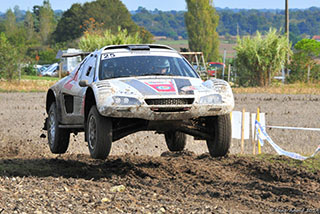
x,y
232,22
172,24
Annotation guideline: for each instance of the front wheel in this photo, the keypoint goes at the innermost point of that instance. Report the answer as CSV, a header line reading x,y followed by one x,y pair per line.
x,y
58,138
176,141
99,133
219,127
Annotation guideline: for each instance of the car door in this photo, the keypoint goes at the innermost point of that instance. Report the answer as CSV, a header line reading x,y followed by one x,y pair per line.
x,y
88,72
70,99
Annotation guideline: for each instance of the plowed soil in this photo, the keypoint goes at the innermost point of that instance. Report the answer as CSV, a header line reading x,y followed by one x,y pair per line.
x,y
141,176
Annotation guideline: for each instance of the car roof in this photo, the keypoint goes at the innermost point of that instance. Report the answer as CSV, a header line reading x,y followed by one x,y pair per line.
x,y
138,47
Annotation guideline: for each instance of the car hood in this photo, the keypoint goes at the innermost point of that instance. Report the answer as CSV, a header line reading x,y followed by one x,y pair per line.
x,y
157,86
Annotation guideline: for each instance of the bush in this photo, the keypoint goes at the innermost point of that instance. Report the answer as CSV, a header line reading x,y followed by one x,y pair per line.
x,y
10,59
47,56
259,58
93,41
305,52
30,69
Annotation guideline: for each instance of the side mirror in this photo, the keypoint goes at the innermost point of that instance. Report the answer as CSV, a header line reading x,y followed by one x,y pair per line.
x,y
83,83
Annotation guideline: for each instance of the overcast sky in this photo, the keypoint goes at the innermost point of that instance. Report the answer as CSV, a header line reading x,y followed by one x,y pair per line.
x,y
166,4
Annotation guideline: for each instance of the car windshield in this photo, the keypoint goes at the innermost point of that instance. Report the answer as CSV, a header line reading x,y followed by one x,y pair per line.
x,y
144,66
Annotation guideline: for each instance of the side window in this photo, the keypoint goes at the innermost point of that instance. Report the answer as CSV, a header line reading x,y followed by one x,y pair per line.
x,y
81,67
88,69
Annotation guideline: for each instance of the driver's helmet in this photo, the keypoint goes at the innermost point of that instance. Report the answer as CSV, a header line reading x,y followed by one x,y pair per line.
x,y
162,66
109,68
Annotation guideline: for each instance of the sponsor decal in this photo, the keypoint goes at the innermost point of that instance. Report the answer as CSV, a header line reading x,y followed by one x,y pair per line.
x,y
161,85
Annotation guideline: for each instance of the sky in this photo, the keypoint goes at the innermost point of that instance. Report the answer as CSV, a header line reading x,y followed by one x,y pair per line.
x,y
166,5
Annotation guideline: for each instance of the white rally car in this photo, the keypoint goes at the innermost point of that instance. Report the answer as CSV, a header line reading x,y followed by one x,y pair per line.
x,y
119,90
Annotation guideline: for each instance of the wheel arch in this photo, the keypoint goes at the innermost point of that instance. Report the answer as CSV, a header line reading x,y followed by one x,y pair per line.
x,y
89,101
51,98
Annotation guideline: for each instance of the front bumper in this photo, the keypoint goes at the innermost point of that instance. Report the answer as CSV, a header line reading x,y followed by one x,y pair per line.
x,y
181,112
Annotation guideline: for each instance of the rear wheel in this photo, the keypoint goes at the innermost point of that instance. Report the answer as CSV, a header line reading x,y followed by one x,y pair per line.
x,y
219,127
99,134
176,141
58,138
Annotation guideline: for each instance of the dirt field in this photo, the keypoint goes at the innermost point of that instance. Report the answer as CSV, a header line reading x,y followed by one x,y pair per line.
x,y
32,180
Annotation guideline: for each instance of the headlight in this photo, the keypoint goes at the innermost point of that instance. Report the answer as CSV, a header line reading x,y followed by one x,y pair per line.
x,y
211,99
219,86
119,100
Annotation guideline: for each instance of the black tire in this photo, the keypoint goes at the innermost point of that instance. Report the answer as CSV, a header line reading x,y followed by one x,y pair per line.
x,y
99,134
176,141
58,138
219,127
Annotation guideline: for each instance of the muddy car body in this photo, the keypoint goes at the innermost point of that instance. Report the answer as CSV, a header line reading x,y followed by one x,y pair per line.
x,y
119,90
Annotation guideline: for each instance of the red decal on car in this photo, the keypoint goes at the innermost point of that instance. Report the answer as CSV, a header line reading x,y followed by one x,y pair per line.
x,y
68,84
161,86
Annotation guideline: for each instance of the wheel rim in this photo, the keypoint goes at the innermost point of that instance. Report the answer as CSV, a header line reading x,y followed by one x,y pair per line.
x,y
52,127
92,129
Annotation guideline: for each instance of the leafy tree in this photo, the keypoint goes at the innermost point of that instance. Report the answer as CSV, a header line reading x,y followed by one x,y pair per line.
x,y
202,21
2,27
18,13
69,26
29,25
109,14
15,33
47,56
9,59
46,21
308,47
10,23
259,58
306,50
91,41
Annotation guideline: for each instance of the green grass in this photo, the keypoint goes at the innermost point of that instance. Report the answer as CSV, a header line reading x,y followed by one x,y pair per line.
x,y
311,164
28,77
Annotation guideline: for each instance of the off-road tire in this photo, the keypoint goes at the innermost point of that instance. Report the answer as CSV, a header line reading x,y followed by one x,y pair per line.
x,y
176,141
219,127
99,134
58,138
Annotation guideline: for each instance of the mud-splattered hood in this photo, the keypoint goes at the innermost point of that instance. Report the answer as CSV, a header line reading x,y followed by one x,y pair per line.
x,y
160,86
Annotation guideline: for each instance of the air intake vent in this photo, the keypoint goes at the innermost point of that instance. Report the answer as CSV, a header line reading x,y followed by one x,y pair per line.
x,y
170,109
172,101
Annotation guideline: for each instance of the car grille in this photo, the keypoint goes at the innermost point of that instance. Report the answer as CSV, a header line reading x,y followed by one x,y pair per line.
x,y
171,101
170,109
